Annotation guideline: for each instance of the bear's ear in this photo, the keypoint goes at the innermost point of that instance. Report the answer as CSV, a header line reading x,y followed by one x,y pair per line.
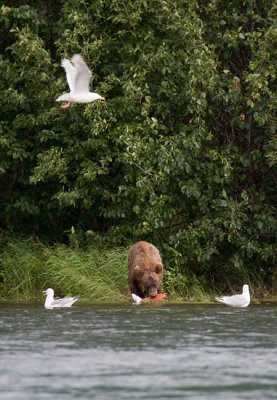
x,y
158,268
138,270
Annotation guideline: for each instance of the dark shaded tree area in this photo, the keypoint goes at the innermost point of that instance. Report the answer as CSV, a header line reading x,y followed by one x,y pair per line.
x,y
182,153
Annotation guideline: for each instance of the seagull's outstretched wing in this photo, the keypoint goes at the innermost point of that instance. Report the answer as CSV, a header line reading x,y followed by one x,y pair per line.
x,y
83,74
71,72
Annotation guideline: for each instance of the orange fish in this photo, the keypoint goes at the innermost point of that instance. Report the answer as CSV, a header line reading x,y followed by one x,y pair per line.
x,y
139,300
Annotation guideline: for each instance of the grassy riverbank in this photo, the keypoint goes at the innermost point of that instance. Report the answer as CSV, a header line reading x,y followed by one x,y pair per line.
x,y
28,267
96,273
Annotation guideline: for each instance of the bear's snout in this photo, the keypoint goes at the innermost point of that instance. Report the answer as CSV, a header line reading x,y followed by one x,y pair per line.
x,y
151,285
152,291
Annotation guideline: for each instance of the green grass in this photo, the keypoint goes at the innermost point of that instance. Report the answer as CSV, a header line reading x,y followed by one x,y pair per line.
x,y
94,274
27,268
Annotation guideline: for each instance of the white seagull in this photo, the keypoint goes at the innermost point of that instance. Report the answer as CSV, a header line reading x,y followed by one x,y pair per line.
x,y
50,302
78,76
137,299
237,300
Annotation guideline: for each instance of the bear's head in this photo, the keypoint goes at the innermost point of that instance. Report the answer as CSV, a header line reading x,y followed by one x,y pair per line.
x,y
149,280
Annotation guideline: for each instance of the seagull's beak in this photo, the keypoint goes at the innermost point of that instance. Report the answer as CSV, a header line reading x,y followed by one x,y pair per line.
x,y
44,292
103,98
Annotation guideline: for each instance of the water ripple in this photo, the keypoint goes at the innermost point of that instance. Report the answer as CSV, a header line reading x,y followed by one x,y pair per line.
x,y
164,352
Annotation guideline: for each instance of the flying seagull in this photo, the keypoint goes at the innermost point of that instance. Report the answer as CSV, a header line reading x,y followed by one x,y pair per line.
x,y
78,76
237,300
50,302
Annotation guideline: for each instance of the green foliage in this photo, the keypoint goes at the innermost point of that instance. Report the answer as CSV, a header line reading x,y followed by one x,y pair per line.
x,y
182,153
185,286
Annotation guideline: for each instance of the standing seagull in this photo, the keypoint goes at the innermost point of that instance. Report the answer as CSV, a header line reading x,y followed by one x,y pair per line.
x,y
50,302
238,300
78,76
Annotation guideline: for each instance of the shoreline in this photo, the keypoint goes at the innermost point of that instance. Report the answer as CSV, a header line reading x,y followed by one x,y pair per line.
x,y
89,302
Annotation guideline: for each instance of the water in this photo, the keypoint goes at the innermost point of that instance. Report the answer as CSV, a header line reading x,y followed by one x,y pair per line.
x,y
138,352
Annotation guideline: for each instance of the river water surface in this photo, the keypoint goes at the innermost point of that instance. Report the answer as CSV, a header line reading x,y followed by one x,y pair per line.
x,y
138,352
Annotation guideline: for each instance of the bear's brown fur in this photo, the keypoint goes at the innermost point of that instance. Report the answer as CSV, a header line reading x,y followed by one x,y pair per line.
x,y
145,269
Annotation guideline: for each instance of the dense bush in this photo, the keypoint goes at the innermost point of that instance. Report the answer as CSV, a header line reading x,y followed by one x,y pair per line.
x,y
183,151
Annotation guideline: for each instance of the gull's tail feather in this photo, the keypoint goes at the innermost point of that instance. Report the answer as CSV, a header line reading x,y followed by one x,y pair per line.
x,y
75,298
220,299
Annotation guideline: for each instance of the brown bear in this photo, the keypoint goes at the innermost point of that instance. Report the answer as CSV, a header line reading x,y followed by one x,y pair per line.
x,y
145,269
